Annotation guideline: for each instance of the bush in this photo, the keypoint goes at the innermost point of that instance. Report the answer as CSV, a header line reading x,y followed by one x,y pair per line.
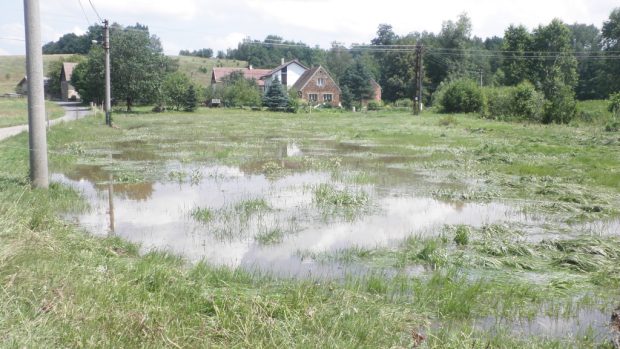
x,y
375,105
527,102
521,102
461,96
614,104
403,103
561,108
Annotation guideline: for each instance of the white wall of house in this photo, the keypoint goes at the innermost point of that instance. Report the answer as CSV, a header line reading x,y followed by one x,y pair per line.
x,y
294,72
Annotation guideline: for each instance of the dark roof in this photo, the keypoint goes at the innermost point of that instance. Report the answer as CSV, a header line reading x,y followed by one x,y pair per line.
x,y
307,76
281,66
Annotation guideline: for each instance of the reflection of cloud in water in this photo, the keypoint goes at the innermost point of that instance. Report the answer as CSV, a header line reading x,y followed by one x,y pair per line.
x,y
162,221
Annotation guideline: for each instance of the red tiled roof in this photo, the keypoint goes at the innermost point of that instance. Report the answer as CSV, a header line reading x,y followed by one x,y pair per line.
x,y
221,73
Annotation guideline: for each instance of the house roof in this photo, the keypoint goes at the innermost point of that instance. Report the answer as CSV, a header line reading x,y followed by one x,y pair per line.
x,y
220,73
307,76
67,68
281,66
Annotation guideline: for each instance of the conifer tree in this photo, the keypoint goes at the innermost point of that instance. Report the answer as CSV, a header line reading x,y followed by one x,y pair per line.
x,y
191,100
276,98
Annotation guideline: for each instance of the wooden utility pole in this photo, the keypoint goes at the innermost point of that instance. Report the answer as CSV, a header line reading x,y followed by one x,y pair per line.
x,y
108,89
419,76
37,138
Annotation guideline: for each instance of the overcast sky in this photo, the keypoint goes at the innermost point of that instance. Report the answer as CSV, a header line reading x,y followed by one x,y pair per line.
x,y
194,24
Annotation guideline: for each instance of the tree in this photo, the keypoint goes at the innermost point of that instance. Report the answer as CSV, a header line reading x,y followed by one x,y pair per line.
x,y
88,76
137,63
357,80
517,42
556,62
190,102
275,98
586,40
338,60
174,90
611,45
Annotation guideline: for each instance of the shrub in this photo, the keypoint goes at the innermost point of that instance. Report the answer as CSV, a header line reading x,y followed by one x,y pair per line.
x,y
527,102
519,102
374,105
461,96
561,108
614,104
403,103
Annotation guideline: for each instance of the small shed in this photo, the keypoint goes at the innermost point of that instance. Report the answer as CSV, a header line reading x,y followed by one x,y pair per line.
x,y
22,86
67,91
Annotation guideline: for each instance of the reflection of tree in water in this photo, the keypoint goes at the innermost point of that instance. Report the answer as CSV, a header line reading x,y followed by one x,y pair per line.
x,y
100,178
134,191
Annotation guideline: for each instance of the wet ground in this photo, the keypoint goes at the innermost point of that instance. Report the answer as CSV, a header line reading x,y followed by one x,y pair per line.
x,y
266,215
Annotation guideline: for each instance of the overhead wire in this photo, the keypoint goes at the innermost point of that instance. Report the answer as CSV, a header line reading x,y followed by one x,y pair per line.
x,y
84,12
95,10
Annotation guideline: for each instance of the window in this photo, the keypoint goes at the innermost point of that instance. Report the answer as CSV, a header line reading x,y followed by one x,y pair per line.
x,y
320,82
313,97
327,97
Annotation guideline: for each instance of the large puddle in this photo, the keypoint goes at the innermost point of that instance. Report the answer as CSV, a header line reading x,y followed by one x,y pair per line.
x,y
262,223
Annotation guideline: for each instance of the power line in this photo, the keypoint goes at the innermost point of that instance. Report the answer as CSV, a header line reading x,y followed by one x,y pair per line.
x,y
84,12
94,9
11,39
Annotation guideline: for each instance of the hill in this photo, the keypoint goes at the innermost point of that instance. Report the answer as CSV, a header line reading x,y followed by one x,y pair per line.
x,y
13,68
199,69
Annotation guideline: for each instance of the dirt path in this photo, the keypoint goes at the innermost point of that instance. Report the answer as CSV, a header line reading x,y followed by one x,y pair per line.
x,y
73,111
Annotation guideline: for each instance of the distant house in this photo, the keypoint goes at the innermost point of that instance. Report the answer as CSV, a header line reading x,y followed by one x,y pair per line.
x,y
219,74
22,86
288,73
67,91
316,86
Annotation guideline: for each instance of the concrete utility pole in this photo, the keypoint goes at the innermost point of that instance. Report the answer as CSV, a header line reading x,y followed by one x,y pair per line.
x,y
36,98
106,47
419,76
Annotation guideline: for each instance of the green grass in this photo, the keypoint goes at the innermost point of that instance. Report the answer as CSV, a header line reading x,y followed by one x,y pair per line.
x,y
14,111
13,68
62,287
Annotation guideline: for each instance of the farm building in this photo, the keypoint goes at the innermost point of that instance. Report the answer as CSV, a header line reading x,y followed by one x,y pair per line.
x,y
67,91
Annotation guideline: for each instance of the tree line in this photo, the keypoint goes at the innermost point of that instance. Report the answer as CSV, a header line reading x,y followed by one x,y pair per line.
x,y
561,61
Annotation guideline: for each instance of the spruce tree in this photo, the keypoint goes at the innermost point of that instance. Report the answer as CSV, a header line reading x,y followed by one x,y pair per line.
x,y
276,98
191,100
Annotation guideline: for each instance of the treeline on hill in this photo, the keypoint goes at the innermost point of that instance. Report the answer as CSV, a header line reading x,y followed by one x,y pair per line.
x,y
546,68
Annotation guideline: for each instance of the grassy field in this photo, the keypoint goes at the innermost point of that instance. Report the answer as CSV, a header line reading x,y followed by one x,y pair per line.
x,y
14,111
61,287
13,69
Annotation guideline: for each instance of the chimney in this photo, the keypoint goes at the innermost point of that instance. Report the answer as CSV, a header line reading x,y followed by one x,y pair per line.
x,y
282,60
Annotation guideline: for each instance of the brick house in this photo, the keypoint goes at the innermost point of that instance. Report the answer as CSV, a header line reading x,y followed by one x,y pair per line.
x,y
316,86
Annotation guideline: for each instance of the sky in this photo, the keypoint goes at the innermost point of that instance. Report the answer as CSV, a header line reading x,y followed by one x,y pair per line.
x,y
222,24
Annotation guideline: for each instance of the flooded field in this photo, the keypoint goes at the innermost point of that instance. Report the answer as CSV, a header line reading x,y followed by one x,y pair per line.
x,y
273,215
384,208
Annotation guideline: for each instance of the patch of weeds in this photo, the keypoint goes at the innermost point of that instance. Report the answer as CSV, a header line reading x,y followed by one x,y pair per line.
x,y
270,237
447,120
249,207
272,169
202,214
177,175
325,194
461,237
